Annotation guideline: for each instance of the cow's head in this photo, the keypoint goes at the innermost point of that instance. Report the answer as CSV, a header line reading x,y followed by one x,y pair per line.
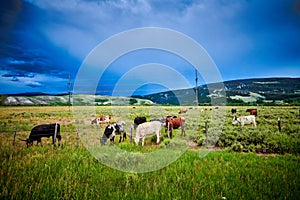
x,y
94,121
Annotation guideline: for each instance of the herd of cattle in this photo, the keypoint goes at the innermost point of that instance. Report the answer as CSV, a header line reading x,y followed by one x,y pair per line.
x,y
142,127
140,124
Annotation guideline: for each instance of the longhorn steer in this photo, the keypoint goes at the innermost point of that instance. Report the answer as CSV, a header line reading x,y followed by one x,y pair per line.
x,y
43,130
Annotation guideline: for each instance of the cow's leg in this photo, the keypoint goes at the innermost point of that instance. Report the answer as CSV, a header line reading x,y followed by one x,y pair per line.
x,y
53,141
136,140
182,130
157,137
112,140
39,141
28,142
124,136
103,140
120,138
143,141
59,141
182,124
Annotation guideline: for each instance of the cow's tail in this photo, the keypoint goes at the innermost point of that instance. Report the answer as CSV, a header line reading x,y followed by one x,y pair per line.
x,y
25,140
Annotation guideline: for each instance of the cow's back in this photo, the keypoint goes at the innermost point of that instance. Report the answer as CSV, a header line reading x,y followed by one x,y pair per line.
x,y
176,122
148,128
250,119
44,130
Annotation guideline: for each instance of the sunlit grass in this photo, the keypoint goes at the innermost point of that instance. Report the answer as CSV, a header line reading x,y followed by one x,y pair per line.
x,y
71,172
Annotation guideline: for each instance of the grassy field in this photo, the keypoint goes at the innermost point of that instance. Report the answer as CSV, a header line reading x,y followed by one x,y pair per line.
x,y
71,172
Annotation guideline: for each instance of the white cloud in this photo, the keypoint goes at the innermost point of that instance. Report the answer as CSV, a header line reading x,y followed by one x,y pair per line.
x,y
38,83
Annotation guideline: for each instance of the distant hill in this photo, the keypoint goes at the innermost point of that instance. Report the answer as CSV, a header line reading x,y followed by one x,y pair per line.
x,y
265,91
29,94
262,91
63,100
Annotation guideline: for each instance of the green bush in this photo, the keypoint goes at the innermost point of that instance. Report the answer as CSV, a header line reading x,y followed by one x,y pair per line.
x,y
265,141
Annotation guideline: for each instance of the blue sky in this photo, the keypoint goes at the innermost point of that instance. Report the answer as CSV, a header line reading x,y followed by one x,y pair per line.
x,y
43,42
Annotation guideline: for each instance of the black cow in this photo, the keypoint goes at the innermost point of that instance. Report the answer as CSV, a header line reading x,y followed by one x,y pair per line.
x,y
161,120
43,130
114,129
139,120
233,110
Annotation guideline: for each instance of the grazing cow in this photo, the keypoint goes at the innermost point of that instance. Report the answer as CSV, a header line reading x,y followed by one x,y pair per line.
x,y
250,119
139,120
101,120
252,111
147,128
174,122
182,111
114,129
43,130
233,110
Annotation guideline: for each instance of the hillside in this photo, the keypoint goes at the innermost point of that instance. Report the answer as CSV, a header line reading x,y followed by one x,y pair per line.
x,y
263,91
269,91
56,100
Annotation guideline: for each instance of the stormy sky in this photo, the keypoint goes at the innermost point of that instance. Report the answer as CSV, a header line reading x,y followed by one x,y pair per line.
x,y
43,42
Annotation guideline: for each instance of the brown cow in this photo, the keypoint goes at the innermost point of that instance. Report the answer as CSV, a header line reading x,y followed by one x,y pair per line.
x,y
252,111
182,111
101,120
174,122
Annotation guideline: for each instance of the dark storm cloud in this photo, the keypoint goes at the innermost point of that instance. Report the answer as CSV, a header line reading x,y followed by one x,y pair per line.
x,y
9,11
50,39
23,46
15,74
274,27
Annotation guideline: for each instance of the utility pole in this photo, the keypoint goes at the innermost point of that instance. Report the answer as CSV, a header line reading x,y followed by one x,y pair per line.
x,y
197,101
69,91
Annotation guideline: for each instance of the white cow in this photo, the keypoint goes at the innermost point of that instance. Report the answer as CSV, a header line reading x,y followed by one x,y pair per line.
x,y
147,128
250,119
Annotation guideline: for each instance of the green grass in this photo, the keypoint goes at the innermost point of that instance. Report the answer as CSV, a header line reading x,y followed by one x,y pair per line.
x,y
71,172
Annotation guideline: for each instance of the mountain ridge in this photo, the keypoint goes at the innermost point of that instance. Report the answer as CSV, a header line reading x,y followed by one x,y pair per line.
x,y
265,91
277,90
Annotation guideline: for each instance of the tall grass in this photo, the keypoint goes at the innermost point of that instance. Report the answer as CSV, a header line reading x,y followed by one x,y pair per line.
x,y
71,173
